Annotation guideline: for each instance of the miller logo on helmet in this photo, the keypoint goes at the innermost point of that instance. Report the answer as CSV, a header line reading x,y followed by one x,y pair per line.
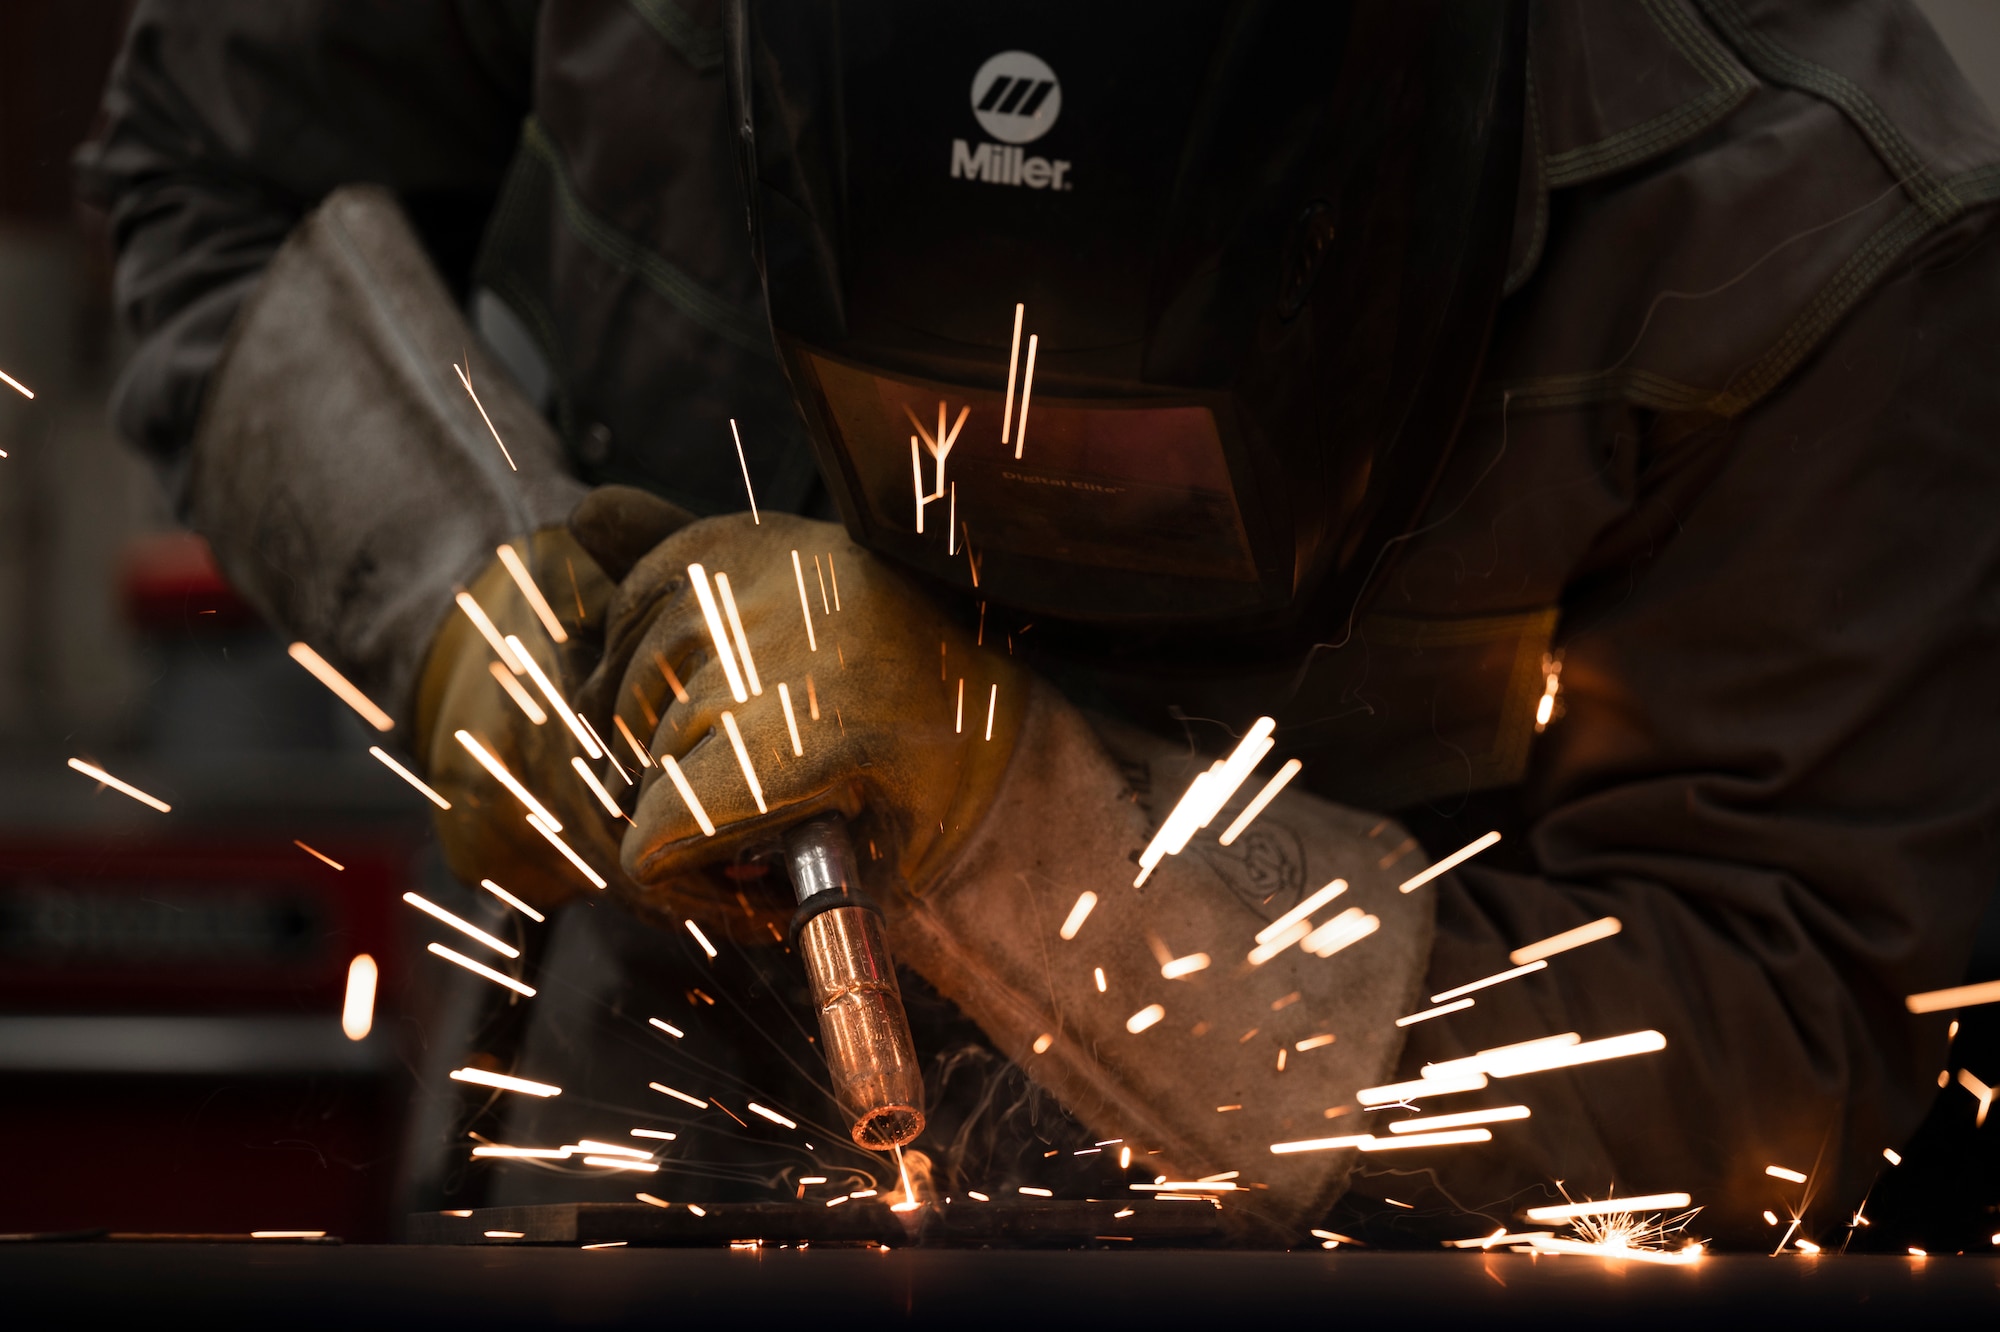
x,y
1016,97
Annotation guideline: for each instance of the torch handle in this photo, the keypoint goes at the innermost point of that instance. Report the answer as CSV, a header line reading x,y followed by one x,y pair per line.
x,y
864,1032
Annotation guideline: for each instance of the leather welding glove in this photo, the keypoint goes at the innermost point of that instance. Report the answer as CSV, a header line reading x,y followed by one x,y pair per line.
x,y
867,677
1143,1012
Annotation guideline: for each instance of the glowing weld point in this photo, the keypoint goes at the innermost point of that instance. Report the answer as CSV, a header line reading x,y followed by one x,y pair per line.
x,y
791,721
596,879
512,900
673,771
1779,1172
701,939
1452,861
743,760
518,571
711,614
1568,939
466,380
665,1090
1078,914
1260,800
477,614
1144,1018
408,776
341,686
357,1008
773,1116
463,926
736,633
481,969
557,702
596,787
96,773
503,1082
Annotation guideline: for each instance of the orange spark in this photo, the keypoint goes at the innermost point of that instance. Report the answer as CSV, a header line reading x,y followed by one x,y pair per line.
x,y
1298,914
1184,966
718,635
1959,996
1259,801
772,1115
743,760
341,687
1430,1013
596,787
1496,979
639,751
532,594
745,464
1568,939
674,774
503,1082
1144,1018
665,1090
1079,913
1779,1172
805,607
411,777
522,699
1452,861
466,379
505,778
29,393
1013,362
317,855
596,879
736,632
1495,1115
463,926
477,614
1027,392
96,773
557,702
701,939
481,969
357,1007
1205,797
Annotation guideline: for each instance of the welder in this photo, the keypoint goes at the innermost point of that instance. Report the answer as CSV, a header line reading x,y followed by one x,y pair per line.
x,y
1568,420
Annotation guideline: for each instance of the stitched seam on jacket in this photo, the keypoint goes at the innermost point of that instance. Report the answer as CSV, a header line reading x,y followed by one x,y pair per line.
x,y
720,317
1854,280
1728,87
1774,62
696,43
1840,293
1538,233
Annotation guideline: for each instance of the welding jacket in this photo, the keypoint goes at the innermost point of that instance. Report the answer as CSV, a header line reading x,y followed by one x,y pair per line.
x,y
1727,501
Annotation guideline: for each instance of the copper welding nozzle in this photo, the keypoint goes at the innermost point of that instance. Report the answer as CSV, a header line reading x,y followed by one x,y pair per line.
x,y
864,1032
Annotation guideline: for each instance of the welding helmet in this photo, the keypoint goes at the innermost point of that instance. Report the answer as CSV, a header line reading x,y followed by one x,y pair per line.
x,y
1131,314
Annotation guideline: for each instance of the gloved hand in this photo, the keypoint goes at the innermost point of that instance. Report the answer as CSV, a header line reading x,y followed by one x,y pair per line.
x,y
890,743
486,834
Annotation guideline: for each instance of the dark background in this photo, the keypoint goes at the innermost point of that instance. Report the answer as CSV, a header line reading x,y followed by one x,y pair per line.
x,y
170,1052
